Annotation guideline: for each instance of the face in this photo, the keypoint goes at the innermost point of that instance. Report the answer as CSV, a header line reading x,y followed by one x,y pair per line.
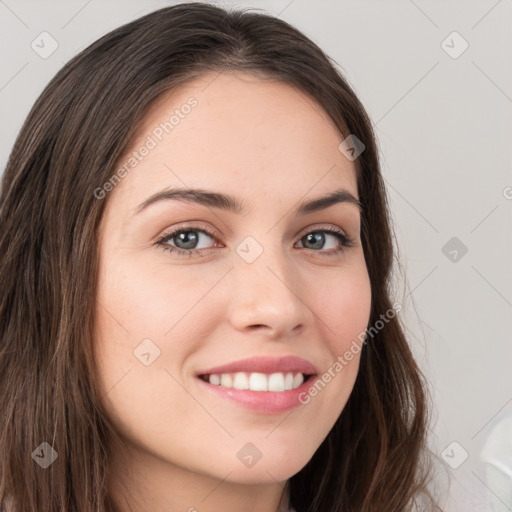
x,y
188,284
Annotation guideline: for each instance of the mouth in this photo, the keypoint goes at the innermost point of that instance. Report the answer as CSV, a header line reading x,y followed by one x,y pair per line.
x,y
266,385
257,381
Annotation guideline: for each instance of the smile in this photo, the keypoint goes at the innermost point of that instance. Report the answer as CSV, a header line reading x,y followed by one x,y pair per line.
x,y
263,384
257,381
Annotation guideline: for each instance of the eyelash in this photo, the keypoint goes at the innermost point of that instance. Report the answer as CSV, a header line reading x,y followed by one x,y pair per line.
x,y
344,240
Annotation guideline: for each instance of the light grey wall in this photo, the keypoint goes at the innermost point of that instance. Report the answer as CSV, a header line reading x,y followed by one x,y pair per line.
x,y
443,122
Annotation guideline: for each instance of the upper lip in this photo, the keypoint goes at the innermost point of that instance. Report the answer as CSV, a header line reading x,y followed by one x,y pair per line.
x,y
265,365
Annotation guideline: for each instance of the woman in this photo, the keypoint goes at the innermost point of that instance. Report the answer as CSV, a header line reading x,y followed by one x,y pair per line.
x,y
196,266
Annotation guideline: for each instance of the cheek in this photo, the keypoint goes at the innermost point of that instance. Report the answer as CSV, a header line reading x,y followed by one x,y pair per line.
x,y
343,307
138,302
141,310
151,300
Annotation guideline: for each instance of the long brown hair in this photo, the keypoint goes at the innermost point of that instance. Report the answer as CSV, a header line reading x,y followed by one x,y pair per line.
x,y
375,456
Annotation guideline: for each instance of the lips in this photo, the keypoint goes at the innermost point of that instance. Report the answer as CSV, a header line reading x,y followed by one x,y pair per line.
x,y
279,382
267,365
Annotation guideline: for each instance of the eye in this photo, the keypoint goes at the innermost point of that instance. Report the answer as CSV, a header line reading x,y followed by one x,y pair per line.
x,y
186,238
317,239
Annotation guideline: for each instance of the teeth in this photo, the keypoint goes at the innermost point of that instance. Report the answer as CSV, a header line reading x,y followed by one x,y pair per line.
x,y
257,381
226,380
288,381
276,382
297,380
240,381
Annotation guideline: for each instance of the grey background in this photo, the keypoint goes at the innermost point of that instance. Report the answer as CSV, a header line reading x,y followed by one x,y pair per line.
x,y
444,131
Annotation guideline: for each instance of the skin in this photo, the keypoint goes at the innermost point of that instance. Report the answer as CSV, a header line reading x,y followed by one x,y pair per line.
x,y
271,147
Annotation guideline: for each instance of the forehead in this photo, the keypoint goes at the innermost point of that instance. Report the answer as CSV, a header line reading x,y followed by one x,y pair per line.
x,y
237,132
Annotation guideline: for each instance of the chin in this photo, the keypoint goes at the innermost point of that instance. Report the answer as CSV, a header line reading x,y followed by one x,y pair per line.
x,y
280,464
265,474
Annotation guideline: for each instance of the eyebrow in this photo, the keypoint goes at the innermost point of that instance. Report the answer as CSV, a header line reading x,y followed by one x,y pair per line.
x,y
230,203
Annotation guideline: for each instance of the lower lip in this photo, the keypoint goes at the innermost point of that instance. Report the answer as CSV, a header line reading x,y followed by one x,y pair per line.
x,y
265,402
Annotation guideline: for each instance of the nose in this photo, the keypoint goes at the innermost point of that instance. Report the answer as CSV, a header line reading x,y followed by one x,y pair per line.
x,y
267,298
